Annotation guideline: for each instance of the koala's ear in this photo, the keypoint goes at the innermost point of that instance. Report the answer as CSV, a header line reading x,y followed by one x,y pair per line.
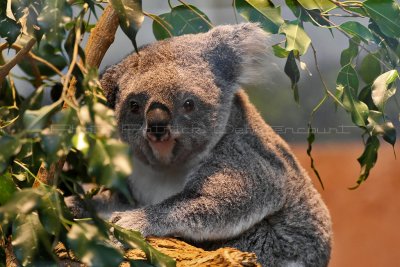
x,y
240,53
109,83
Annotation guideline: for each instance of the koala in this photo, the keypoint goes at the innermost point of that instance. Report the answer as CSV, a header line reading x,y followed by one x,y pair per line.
x,y
207,168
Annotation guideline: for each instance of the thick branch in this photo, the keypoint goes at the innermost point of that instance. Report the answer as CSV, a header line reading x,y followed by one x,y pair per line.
x,y
6,68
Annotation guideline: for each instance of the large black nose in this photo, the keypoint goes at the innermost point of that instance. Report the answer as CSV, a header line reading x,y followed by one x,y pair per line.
x,y
158,119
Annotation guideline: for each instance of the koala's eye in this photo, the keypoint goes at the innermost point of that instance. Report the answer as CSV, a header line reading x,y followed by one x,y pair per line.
x,y
188,105
134,106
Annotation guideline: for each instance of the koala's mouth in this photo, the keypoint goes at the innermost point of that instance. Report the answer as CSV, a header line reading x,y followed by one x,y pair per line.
x,y
163,150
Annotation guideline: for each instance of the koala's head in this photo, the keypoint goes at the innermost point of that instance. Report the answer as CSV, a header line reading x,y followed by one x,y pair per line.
x,y
173,100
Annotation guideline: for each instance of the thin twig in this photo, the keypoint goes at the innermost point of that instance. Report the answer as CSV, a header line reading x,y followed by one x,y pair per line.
x,y
6,68
343,7
348,36
33,56
322,78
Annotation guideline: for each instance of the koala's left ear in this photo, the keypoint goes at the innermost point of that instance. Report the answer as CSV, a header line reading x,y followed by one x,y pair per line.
x,y
239,53
109,84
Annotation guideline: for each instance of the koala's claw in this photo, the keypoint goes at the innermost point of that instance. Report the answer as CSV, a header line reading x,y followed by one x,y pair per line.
x,y
132,220
115,218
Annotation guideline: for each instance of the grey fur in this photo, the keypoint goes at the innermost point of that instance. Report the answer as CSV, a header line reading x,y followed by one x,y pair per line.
x,y
230,180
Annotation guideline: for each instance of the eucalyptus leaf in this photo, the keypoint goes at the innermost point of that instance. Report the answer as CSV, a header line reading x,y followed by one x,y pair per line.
x,y
262,11
26,13
7,187
323,5
356,29
347,55
370,68
293,72
135,240
109,162
30,241
52,19
9,147
9,29
56,140
312,15
386,13
365,96
90,246
368,159
130,16
36,120
280,51
182,19
296,37
379,124
348,80
380,91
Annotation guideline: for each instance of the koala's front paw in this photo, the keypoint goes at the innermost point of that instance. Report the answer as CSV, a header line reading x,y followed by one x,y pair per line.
x,y
76,206
134,220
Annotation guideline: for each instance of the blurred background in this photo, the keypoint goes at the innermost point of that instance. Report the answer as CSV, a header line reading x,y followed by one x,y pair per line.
x,y
365,220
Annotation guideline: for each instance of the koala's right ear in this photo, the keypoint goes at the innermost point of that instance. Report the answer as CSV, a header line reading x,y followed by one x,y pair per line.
x,y
240,53
109,83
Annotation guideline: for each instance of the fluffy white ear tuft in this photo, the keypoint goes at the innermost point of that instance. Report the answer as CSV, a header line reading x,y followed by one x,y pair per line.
x,y
250,46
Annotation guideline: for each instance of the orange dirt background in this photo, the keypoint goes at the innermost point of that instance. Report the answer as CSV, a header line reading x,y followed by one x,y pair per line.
x,y
366,221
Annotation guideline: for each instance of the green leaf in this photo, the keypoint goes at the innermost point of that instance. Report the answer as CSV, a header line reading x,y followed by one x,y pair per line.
x,y
35,120
9,146
323,5
52,208
49,53
380,91
180,20
110,164
370,68
347,77
90,246
9,29
310,141
292,71
130,16
356,29
350,53
365,96
135,240
280,51
368,159
386,13
7,187
348,80
296,37
28,239
52,19
56,140
22,202
262,11
313,15
378,124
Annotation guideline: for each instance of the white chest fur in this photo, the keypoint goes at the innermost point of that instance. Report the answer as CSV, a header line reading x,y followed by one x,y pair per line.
x,y
151,186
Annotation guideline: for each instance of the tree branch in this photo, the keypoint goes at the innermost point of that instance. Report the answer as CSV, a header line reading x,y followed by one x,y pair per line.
x,y
6,68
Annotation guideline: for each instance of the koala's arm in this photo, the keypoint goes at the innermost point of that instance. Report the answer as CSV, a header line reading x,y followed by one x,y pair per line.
x,y
224,198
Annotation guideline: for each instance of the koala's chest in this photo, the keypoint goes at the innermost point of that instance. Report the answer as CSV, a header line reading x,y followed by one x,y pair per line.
x,y
150,187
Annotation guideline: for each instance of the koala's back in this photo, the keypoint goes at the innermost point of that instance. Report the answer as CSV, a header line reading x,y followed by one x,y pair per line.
x,y
301,228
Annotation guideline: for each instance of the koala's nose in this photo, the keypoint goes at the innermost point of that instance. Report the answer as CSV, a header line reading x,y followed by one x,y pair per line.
x,y
158,118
